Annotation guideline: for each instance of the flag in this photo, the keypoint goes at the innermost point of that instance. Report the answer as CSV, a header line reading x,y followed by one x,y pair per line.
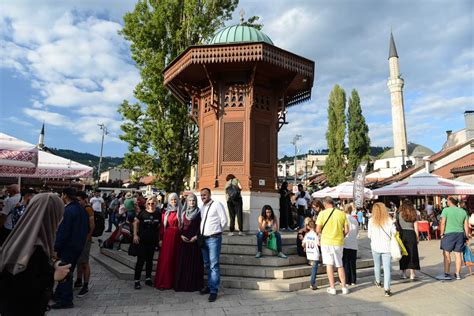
x,y
359,181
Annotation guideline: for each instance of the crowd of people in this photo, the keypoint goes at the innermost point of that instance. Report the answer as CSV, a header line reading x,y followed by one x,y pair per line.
x,y
44,237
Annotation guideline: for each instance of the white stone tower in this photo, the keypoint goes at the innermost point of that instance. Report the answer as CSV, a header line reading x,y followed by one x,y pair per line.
x,y
41,138
395,85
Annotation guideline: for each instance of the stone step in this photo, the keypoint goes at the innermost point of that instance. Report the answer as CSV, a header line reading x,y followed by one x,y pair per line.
x,y
251,239
281,285
280,272
260,271
249,250
269,261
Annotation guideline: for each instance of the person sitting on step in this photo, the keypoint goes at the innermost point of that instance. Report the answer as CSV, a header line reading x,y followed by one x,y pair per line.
x,y
268,224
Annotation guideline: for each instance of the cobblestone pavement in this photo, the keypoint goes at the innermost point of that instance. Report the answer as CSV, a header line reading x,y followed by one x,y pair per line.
x,y
110,296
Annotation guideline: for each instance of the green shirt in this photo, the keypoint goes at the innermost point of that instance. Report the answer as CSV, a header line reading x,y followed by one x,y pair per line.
x,y
455,218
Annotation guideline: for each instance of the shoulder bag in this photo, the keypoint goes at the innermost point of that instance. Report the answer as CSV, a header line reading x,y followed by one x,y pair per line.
x,y
200,237
395,250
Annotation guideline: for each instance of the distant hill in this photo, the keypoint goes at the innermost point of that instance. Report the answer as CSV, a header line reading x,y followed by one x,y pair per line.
x,y
88,159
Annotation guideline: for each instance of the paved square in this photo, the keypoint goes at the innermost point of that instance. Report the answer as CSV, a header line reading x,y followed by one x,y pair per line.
x,y
427,296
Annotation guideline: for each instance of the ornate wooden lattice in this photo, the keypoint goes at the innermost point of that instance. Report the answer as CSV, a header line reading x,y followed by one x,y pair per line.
x,y
233,141
262,143
262,102
208,145
234,97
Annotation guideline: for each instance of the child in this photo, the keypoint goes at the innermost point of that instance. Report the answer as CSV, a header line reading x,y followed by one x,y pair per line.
x,y
300,236
360,218
310,244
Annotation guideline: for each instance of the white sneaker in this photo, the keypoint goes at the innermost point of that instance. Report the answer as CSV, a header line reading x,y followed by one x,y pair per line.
x,y
230,234
241,234
345,290
331,290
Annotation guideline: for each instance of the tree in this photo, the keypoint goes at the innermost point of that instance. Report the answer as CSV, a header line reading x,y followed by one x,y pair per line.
x,y
161,135
335,166
358,133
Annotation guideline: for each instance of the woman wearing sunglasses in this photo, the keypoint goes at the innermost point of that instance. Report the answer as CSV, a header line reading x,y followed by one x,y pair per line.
x,y
146,228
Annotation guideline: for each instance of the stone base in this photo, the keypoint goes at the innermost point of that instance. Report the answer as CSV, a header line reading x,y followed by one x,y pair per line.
x,y
252,206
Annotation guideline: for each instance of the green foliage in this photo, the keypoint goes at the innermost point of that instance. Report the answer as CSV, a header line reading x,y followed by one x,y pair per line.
x,y
358,133
335,166
161,136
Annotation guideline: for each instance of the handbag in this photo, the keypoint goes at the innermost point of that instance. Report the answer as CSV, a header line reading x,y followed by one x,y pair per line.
x,y
403,249
133,249
395,251
200,237
271,242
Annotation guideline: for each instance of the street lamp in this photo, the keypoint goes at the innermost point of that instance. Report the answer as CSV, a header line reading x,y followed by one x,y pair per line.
x,y
295,143
104,132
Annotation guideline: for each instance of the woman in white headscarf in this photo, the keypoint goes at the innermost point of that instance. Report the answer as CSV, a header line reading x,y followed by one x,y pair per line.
x,y
190,268
169,242
27,268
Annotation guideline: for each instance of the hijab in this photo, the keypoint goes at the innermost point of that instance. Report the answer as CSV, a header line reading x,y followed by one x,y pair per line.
x,y
191,212
177,208
37,227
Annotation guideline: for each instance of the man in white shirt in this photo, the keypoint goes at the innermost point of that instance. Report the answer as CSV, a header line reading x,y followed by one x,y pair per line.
x,y
302,202
429,208
213,222
6,224
97,202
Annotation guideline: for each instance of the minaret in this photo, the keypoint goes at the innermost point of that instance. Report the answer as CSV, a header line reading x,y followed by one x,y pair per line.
x,y
41,138
395,85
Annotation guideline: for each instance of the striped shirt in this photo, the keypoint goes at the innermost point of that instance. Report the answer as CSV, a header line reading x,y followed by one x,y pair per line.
x,y
380,236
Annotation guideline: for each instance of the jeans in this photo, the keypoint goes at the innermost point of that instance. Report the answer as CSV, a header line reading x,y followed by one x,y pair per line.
x,y
349,258
300,221
260,241
63,292
112,220
314,271
235,209
210,255
385,258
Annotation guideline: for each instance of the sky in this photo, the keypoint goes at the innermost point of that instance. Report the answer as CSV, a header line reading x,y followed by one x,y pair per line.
x,y
64,63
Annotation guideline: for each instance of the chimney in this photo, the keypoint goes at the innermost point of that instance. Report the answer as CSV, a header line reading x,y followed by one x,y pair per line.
x,y
427,164
469,122
448,134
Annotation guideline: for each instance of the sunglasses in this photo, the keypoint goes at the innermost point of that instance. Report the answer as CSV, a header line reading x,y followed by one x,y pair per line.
x,y
151,203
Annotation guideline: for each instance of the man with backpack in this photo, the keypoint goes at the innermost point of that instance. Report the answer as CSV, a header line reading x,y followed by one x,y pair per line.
x,y
83,267
233,190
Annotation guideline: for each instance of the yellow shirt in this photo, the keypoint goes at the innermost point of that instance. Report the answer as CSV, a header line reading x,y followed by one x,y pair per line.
x,y
333,232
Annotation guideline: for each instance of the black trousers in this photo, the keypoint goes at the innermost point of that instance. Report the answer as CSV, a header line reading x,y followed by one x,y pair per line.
x,y
145,257
349,258
284,213
235,209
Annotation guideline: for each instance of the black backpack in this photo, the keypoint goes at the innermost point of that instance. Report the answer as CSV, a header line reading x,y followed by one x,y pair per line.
x,y
99,222
233,192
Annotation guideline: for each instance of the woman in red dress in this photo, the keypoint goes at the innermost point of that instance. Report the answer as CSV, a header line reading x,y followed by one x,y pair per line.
x,y
169,242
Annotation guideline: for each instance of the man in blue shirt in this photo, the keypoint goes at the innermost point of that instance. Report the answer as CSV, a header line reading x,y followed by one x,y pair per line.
x,y
70,239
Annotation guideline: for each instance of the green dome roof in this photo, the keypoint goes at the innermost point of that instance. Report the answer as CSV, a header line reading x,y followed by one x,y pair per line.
x,y
239,34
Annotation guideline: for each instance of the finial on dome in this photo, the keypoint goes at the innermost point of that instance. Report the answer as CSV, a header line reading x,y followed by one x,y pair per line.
x,y
242,20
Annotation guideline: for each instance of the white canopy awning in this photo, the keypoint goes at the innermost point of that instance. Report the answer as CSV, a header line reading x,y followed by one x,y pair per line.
x,y
48,166
342,191
17,156
426,184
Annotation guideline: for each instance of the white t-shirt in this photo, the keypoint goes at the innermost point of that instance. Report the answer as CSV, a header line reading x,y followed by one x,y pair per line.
x,y
96,203
350,241
303,199
311,241
429,209
8,205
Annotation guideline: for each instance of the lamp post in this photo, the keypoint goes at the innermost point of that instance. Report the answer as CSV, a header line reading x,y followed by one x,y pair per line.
x,y
104,132
295,143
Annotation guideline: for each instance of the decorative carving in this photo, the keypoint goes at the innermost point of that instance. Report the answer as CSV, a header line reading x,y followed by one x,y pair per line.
x,y
261,143
225,170
234,96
